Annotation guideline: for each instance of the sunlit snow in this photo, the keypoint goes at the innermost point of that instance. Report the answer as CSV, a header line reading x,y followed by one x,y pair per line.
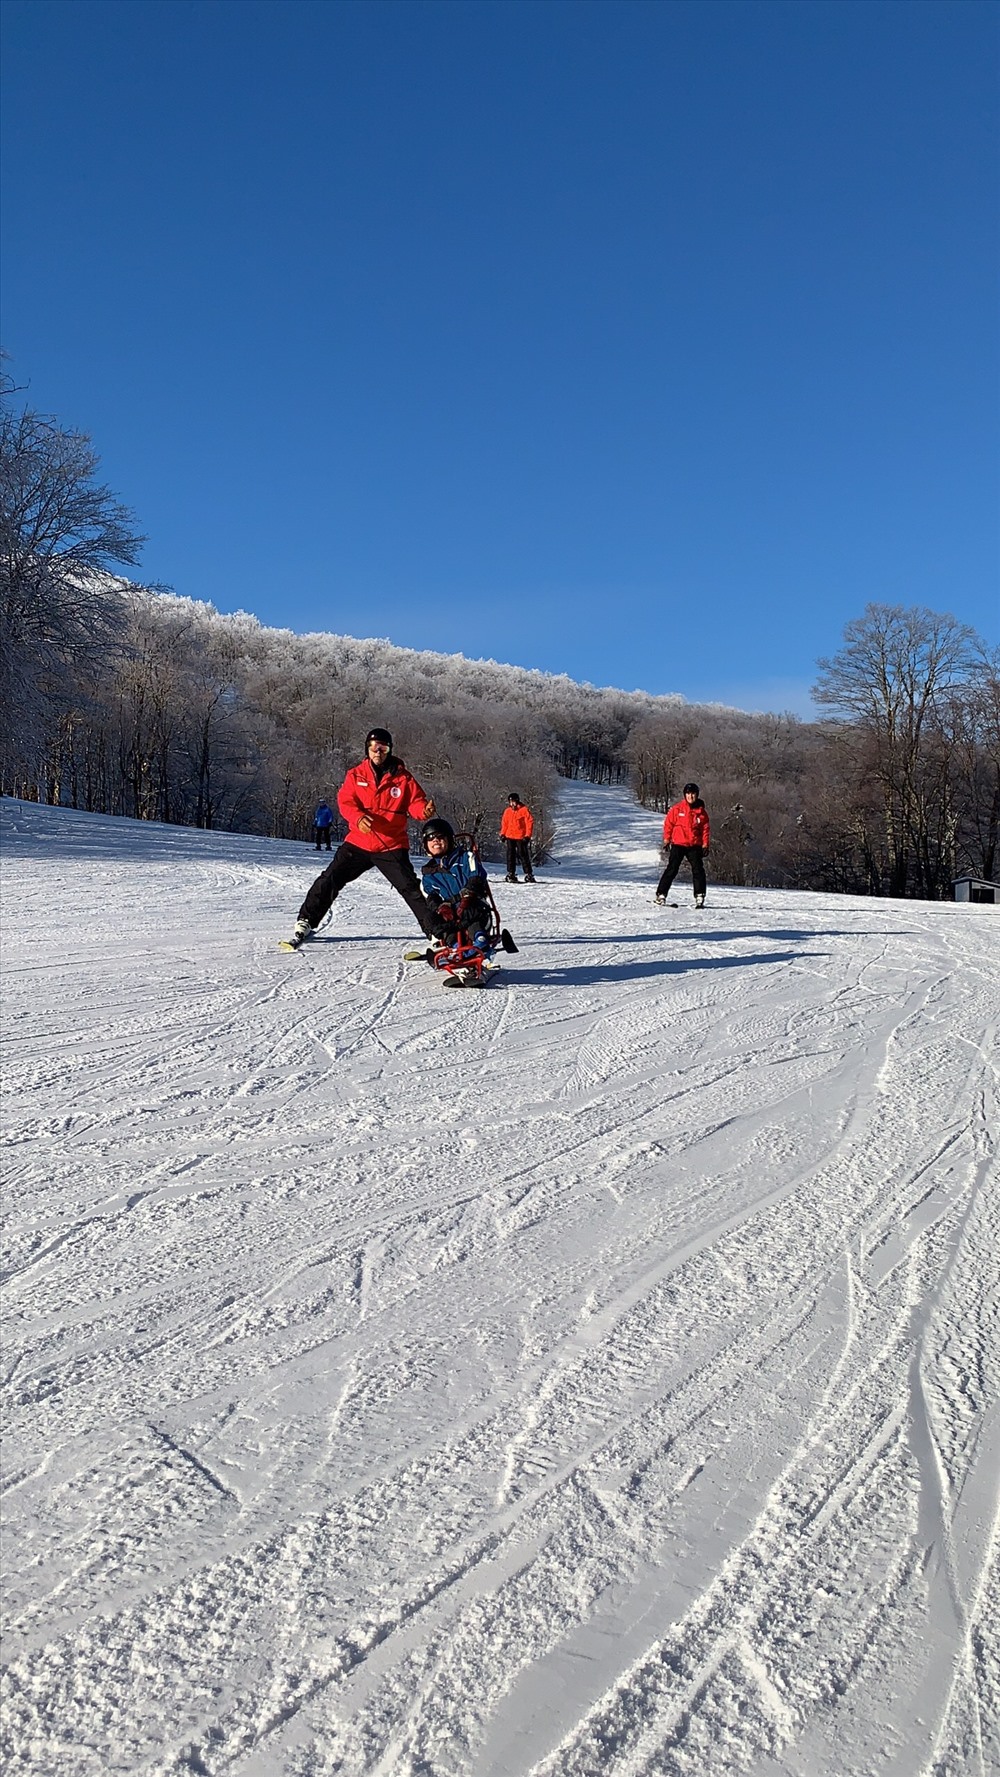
x,y
592,1374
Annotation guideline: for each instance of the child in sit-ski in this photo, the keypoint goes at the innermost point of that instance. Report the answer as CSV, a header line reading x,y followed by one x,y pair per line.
x,y
456,887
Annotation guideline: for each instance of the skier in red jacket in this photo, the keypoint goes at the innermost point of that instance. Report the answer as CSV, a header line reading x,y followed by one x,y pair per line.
x,y
376,798
685,835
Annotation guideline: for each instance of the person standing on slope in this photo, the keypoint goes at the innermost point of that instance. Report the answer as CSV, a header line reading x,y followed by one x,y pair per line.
x,y
323,826
685,835
516,828
376,798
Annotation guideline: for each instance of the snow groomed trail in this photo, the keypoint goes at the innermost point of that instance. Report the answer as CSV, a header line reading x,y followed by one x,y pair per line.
x,y
596,1374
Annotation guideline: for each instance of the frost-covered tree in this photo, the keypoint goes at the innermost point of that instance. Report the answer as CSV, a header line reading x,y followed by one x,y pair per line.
x,y
61,531
894,679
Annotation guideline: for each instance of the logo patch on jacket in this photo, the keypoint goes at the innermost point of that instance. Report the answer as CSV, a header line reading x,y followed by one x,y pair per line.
x,y
395,790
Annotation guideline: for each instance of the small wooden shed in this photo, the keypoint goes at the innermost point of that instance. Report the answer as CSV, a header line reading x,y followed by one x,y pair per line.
x,y
976,888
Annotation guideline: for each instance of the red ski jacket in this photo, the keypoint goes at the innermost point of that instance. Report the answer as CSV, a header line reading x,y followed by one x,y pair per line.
x,y
388,803
517,823
686,825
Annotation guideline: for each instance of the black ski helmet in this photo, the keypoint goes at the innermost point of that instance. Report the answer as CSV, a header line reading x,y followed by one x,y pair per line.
x,y
438,829
514,797
691,789
381,734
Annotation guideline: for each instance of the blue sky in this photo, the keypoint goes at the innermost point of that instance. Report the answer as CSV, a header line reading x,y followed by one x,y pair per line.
x,y
641,341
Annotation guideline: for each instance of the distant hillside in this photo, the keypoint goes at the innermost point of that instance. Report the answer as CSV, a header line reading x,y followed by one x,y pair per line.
x,y
186,715
219,721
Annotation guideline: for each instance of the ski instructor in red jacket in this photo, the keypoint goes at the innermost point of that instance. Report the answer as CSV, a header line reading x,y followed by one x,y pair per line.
x,y
685,835
376,798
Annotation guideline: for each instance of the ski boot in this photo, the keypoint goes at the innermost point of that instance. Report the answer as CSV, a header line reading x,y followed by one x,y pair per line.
x,y
303,930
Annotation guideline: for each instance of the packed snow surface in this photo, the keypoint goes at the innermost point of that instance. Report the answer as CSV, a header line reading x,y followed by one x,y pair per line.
x,y
595,1373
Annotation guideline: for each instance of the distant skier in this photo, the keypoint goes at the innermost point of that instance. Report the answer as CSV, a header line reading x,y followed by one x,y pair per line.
x,y
516,827
323,826
685,835
375,799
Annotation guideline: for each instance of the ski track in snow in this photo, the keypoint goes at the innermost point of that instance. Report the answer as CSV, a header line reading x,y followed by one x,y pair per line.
x,y
596,1374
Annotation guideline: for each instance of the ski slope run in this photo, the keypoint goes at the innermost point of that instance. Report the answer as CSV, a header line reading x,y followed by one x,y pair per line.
x,y
596,1374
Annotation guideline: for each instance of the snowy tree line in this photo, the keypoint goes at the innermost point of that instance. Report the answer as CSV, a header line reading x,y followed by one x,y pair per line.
x,y
128,700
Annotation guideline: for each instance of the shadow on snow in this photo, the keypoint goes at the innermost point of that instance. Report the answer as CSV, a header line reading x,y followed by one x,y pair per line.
x,y
591,976
704,936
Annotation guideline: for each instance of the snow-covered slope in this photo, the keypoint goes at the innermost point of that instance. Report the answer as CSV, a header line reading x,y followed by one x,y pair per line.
x,y
596,1374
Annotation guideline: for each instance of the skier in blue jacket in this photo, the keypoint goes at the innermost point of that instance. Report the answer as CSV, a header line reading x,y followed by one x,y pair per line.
x,y
323,826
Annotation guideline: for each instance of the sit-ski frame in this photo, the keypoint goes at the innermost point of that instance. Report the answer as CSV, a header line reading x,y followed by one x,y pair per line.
x,y
470,959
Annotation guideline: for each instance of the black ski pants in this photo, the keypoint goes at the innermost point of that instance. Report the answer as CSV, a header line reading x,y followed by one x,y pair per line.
x,y
323,836
350,862
519,849
675,858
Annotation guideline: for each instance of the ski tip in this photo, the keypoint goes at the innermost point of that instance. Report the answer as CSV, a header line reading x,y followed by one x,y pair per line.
x,y
464,978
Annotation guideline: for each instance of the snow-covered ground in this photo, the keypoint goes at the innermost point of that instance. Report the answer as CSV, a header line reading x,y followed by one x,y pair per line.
x,y
594,1374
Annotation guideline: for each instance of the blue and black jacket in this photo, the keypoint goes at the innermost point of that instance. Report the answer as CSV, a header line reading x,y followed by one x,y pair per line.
x,y
448,879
